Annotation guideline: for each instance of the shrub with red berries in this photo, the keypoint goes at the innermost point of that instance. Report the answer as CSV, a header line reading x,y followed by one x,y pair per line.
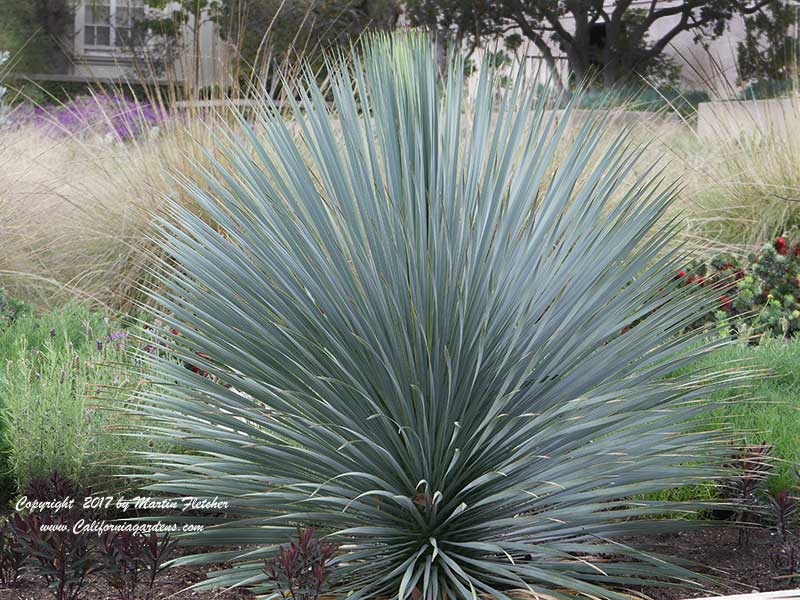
x,y
760,294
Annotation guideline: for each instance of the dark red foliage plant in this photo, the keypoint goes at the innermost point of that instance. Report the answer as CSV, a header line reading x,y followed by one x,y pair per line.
x,y
50,547
47,546
752,465
783,512
53,487
120,553
11,557
157,552
300,571
64,558
130,558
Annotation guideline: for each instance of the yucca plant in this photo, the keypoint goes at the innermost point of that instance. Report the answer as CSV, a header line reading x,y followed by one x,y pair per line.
x,y
405,332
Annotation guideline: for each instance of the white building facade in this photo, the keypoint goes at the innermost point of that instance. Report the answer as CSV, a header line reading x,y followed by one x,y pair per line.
x,y
99,46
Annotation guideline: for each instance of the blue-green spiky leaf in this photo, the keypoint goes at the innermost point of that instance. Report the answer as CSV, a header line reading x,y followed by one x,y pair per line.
x,y
409,308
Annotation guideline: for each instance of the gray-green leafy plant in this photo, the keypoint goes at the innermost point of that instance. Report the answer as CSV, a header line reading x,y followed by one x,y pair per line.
x,y
406,331
64,384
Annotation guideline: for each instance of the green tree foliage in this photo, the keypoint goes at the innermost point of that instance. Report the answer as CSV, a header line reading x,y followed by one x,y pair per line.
x,y
279,31
37,33
266,32
611,41
770,50
158,38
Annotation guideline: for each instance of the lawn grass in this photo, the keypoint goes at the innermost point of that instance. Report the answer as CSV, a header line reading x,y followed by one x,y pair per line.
x,y
770,410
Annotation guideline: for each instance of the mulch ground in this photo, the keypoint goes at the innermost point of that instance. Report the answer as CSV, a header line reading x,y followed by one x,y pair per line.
x,y
171,584
740,570
743,570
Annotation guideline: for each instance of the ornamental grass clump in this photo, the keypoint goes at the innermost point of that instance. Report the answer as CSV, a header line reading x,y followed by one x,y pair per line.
x,y
406,327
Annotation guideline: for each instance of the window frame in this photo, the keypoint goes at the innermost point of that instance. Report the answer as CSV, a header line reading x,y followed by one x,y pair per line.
x,y
113,27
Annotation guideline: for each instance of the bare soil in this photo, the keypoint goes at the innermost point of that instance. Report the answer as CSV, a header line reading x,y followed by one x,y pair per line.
x,y
739,569
172,584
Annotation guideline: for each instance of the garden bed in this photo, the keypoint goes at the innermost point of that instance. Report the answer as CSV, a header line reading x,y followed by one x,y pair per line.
x,y
172,585
739,569
364,295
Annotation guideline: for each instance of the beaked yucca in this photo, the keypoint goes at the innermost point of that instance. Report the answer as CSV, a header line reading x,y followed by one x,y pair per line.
x,y
405,319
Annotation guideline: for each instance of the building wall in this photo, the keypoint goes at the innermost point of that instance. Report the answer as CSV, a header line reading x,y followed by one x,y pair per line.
x,y
94,63
700,68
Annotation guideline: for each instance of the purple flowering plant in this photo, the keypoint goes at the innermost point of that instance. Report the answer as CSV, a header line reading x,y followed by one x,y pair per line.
x,y
106,115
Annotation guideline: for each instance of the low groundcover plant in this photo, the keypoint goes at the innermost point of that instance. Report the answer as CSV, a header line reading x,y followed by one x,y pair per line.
x,y
406,325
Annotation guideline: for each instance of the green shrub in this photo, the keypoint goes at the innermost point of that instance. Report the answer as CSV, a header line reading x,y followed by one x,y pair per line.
x,y
770,88
10,309
644,99
767,412
407,326
63,384
758,297
78,325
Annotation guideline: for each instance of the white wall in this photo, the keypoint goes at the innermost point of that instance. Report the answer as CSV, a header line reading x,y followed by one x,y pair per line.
x,y
213,54
699,66
102,64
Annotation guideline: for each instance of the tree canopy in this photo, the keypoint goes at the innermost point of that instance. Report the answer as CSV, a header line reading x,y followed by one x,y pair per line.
x,y
275,30
609,40
33,32
770,49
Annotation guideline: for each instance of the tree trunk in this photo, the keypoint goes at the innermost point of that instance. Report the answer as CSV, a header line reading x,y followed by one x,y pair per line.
x,y
611,72
579,66
550,61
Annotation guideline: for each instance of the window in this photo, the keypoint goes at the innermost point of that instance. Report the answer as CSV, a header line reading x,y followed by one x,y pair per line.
x,y
108,23
97,23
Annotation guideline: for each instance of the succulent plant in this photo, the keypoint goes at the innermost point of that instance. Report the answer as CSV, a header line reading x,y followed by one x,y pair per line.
x,y
408,309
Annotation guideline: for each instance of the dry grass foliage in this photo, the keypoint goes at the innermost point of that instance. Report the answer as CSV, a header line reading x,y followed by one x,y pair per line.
x,y
76,211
